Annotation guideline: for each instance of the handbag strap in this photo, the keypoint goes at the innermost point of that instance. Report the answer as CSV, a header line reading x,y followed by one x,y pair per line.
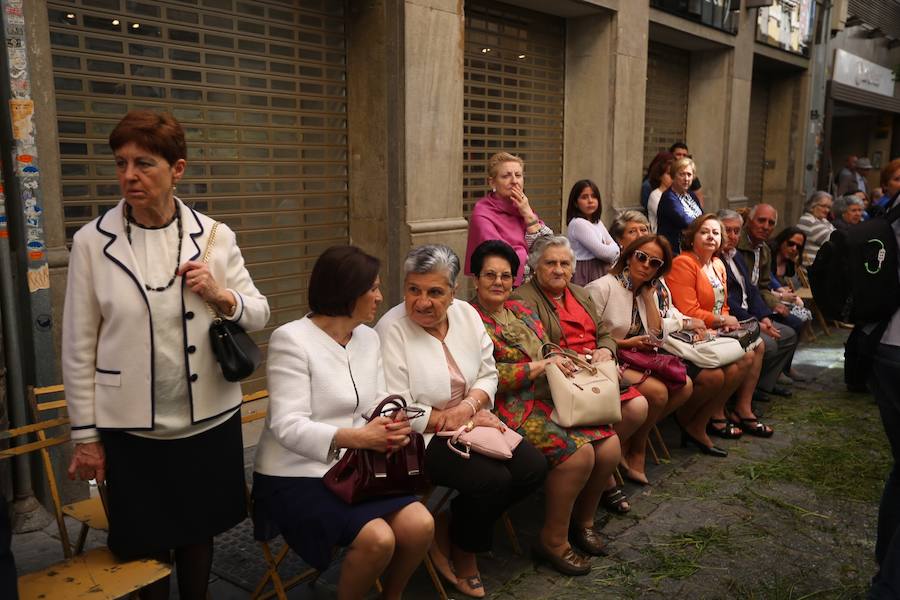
x,y
205,260
549,349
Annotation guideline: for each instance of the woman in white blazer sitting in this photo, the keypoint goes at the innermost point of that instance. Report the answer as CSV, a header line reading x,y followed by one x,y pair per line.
x,y
151,412
438,355
325,376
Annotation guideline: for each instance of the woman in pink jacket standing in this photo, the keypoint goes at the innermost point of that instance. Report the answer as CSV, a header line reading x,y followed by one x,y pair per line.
x,y
505,214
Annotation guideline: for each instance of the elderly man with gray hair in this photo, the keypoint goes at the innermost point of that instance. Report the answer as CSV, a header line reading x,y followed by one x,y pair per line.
x,y
745,301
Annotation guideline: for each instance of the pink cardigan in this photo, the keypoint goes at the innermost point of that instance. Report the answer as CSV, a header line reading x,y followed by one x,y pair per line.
x,y
494,218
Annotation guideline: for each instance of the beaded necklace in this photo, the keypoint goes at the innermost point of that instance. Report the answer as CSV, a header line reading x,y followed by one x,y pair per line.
x,y
129,219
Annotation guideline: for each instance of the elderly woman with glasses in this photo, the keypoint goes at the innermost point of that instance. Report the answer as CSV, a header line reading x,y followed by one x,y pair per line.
x,y
524,403
571,320
848,211
815,224
437,355
628,306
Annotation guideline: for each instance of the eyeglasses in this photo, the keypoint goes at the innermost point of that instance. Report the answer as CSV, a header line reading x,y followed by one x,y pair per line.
x,y
643,258
762,220
491,276
792,244
398,414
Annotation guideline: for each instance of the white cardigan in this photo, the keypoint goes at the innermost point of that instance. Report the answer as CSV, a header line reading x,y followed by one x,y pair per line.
x,y
614,308
316,386
107,338
415,365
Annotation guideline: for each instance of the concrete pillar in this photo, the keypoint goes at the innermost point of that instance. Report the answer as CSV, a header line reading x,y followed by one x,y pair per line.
x,y
718,116
375,136
606,82
37,30
433,122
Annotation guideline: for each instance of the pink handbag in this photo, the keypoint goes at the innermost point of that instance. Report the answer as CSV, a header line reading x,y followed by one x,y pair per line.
x,y
489,441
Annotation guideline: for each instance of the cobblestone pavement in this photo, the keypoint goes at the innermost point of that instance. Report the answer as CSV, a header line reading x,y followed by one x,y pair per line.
x,y
790,517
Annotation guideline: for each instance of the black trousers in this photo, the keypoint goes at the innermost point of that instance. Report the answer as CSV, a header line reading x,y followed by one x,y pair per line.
x,y
487,488
885,382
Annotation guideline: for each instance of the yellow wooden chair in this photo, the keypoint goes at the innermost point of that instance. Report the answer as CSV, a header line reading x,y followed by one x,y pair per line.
x,y
89,512
95,574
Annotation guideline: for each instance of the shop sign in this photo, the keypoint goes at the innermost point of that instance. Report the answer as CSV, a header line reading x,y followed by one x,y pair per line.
x,y
858,72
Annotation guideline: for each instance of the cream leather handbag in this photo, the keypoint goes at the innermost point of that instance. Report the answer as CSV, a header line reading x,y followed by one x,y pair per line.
x,y
589,397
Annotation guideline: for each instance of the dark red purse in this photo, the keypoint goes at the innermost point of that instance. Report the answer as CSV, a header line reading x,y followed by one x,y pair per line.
x,y
363,474
668,368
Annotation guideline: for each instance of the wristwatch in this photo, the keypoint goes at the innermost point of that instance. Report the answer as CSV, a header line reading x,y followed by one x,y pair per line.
x,y
334,452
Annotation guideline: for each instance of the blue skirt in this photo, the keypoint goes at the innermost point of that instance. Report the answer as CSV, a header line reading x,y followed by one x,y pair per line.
x,y
312,520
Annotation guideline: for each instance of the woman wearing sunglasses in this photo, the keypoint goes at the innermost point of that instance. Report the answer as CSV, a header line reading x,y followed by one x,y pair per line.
x,y
325,377
787,252
629,307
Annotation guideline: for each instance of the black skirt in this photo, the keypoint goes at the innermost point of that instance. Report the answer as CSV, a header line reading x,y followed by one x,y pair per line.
x,y
164,494
312,520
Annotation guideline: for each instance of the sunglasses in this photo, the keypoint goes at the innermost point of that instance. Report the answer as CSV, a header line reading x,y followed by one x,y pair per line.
x,y
642,257
791,244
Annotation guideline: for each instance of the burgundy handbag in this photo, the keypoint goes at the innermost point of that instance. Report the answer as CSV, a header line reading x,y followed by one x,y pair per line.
x,y
666,367
363,474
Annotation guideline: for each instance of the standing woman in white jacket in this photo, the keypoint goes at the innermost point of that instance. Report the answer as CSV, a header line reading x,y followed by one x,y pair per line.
x,y
325,377
151,412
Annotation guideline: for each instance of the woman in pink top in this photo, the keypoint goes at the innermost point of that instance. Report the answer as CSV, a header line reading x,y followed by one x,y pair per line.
x,y
505,214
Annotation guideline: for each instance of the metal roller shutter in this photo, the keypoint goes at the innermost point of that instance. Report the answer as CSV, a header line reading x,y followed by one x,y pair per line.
x,y
260,88
756,142
668,86
514,101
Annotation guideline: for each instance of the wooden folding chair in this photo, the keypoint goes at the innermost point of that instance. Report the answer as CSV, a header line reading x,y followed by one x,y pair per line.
x,y
273,560
90,512
95,574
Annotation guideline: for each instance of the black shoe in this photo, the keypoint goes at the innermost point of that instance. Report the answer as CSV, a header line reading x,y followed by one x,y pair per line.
x,y
761,396
782,391
710,450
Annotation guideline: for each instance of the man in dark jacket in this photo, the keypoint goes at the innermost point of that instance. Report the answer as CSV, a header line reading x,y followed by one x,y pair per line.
x,y
745,301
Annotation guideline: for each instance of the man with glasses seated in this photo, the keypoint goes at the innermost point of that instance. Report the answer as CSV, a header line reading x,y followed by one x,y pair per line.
x,y
748,288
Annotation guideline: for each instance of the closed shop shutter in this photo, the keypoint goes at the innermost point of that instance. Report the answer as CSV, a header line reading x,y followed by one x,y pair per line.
x,y
756,142
260,88
514,101
668,87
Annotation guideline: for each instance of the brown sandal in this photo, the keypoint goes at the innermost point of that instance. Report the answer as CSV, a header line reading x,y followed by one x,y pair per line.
x,y
615,500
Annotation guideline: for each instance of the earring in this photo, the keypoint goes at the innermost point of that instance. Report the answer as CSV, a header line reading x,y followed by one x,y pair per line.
x,y
493,189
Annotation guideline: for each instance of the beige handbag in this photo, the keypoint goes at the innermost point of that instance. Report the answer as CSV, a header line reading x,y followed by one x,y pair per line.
x,y
589,397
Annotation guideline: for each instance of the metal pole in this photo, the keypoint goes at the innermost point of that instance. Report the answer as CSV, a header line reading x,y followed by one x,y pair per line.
x,y
12,346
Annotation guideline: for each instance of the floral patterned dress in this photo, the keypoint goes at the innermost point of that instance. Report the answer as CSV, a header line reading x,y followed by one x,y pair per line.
x,y
525,404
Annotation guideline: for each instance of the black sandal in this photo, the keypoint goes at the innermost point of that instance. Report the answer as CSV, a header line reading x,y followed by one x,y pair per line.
x,y
615,500
728,431
753,426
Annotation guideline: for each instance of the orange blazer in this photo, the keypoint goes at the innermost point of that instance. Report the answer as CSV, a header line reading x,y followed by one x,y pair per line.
x,y
692,292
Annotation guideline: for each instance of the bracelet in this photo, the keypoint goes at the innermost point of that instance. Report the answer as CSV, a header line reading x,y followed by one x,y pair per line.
x,y
530,223
472,404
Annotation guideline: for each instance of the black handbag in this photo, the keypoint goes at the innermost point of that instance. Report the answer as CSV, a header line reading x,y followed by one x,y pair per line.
x,y
237,354
746,334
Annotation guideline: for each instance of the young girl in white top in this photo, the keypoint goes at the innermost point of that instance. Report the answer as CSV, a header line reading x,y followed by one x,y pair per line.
x,y
595,250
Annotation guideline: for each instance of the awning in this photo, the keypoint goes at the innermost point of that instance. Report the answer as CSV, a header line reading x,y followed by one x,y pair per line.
x,y
852,95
